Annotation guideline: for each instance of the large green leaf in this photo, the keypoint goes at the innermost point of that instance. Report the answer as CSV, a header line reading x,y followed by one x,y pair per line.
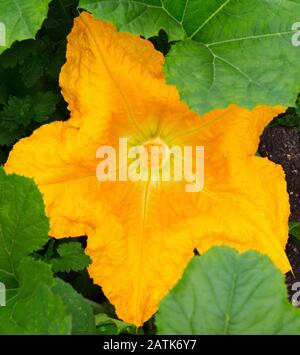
x,y
144,17
32,307
23,224
83,320
224,292
20,20
36,301
229,51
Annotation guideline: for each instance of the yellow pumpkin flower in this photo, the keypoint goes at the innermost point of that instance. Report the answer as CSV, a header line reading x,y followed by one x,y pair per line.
x,y
141,234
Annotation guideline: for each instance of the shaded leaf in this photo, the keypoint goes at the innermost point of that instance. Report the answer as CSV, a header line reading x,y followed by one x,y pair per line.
x,y
44,105
295,229
71,257
19,113
32,71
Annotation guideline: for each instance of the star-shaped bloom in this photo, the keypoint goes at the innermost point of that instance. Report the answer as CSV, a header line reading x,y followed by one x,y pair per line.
x,y
141,234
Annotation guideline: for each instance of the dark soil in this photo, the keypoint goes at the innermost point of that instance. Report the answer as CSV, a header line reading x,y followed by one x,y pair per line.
x,y
282,146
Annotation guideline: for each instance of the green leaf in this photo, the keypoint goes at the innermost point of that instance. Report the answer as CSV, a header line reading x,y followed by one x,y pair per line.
x,y
32,307
295,229
83,320
224,292
18,53
44,105
3,94
32,71
19,113
23,224
20,20
71,257
111,326
144,17
30,68
289,119
36,301
8,137
107,329
14,117
227,51
298,109
16,110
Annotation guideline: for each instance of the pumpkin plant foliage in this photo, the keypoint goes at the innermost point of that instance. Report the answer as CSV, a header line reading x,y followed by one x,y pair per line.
x,y
295,229
237,49
70,257
224,292
141,235
36,301
29,91
20,20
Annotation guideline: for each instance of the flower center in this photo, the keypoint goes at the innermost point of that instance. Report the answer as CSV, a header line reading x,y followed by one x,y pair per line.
x,y
155,153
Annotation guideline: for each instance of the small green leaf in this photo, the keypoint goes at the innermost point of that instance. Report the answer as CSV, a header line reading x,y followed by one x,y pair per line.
x,y
8,137
32,71
224,292
9,58
111,326
71,257
44,105
16,110
3,94
20,20
295,229
14,117
289,119
19,113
